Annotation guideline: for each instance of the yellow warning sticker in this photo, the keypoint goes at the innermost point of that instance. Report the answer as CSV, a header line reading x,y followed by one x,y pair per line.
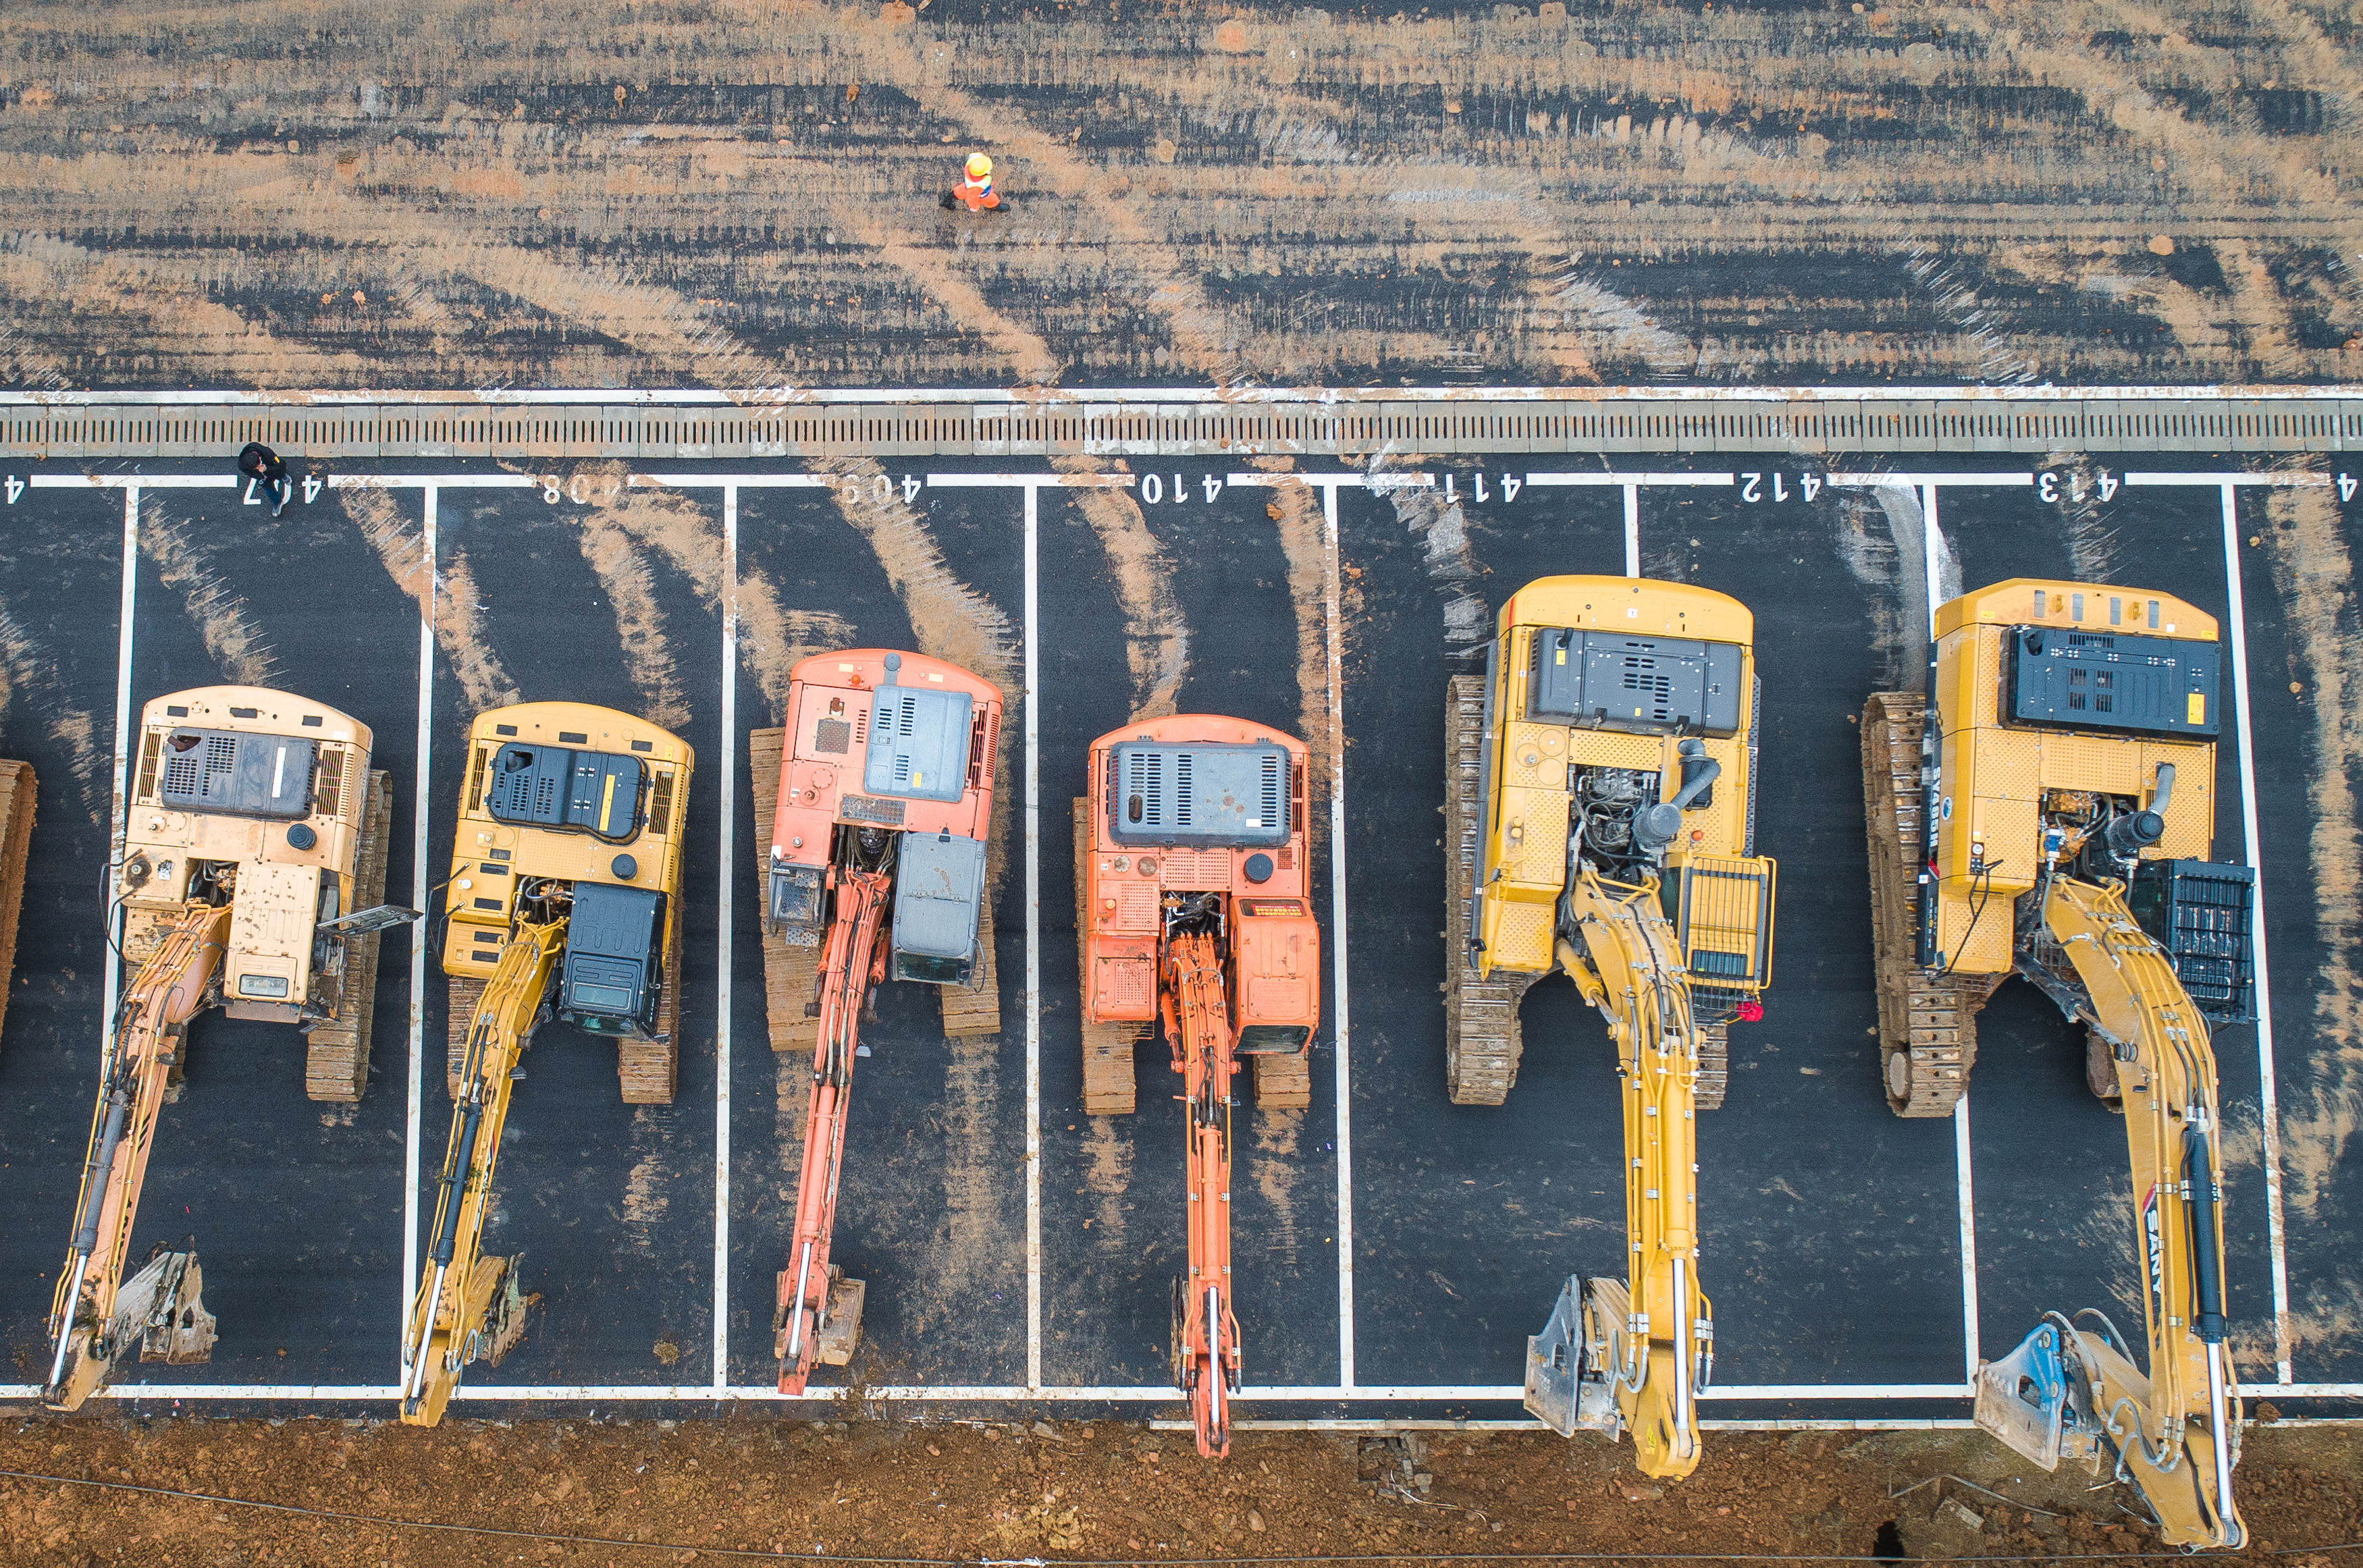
x,y
1562,656
2196,710
607,804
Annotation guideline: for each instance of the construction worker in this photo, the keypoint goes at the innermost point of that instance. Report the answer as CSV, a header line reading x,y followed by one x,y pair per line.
x,y
975,188
268,472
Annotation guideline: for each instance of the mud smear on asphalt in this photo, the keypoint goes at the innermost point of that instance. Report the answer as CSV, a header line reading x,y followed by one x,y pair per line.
x,y
2091,542
772,640
2313,569
1155,634
29,687
647,1186
615,557
229,635
1107,1174
401,545
1866,547
1296,515
1449,557
1275,1167
1907,527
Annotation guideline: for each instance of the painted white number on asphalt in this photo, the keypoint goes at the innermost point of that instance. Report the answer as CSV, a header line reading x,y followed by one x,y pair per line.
x,y
1752,487
2105,485
17,488
2345,487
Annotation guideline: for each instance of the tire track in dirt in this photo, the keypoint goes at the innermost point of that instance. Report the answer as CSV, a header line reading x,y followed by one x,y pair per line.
x,y
220,613
449,596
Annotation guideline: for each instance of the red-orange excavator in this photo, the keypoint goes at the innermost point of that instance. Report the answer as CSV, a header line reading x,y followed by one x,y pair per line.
x,y
885,795
1191,870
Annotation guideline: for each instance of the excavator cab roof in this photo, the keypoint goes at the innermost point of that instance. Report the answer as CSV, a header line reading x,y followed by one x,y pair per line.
x,y
235,773
1198,793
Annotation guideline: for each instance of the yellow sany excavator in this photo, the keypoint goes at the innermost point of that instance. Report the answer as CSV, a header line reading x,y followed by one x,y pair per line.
x,y
2047,809
565,901
1599,818
253,861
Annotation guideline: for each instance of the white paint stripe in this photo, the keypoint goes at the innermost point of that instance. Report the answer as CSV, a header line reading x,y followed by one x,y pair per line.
x,y
1033,953
434,481
1011,480
131,482
1034,399
1610,481
2285,478
724,884
1632,530
1922,480
736,481
125,607
2268,1109
419,797
1932,556
1333,613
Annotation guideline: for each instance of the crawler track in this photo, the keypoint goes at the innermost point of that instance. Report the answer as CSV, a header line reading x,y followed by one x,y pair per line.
x,y
1928,1023
1482,1038
336,1053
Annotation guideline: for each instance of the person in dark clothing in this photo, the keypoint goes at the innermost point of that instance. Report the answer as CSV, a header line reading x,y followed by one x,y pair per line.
x,y
263,465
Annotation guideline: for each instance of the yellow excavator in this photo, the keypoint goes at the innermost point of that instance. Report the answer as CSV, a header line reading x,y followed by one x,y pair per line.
x,y
565,901
1599,818
2045,810
253,861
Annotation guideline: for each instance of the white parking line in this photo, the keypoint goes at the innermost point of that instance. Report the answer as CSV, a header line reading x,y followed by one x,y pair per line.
x,y
1902,480
113,982
2287,478
419,795
1932,557
1033,953
1333,615
2269,1109
1632,532
723,883
1672,479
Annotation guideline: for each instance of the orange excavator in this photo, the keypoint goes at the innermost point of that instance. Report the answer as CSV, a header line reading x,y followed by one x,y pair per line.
x,y
877,861
1191,870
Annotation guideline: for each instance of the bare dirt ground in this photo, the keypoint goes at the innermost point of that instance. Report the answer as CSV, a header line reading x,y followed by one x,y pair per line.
x,y
742,193
653,1491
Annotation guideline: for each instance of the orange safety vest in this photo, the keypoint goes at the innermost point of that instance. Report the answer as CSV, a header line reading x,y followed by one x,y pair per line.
x,y
977,194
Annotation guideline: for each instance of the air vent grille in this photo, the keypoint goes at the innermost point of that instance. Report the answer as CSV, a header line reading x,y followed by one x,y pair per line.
x,y
661,801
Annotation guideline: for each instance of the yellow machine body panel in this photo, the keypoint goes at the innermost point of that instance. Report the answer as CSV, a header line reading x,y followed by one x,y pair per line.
x,y
1532,759
265,790
620,822
1993,780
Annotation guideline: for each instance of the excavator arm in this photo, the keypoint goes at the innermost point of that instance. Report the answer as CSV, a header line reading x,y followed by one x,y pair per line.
x,y
1205,1339
2069,1386
853,962
1634,1354
95,1318
469,1306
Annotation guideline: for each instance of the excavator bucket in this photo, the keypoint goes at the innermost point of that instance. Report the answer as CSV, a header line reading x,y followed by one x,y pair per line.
x,y
2035,1402
162,1306
1566,1386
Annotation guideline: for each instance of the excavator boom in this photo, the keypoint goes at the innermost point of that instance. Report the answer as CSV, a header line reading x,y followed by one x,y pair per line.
x,y
1205,1334
468,1307
2175,1430
93,1319
1634,1354
852,962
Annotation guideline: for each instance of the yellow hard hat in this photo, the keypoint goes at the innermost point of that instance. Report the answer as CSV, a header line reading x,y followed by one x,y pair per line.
x,y
980,167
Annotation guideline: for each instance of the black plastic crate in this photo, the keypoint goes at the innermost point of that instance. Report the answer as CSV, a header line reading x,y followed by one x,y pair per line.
x,y
2202,913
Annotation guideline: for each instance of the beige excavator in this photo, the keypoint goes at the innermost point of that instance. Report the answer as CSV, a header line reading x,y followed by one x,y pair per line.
x,y
1599,818
17,800
2045,809
253,866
